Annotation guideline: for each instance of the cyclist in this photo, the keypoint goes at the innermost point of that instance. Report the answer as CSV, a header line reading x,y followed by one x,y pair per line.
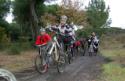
x,y
66,31
44,42
94,41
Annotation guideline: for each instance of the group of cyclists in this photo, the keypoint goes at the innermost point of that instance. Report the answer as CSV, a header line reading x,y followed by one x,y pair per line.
x,y
66,38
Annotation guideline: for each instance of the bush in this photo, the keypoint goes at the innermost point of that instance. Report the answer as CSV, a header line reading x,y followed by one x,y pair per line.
x,y
87,31
14,49
3,36
26,45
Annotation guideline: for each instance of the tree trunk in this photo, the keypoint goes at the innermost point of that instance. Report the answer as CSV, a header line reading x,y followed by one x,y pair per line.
x,y
34,18
31,27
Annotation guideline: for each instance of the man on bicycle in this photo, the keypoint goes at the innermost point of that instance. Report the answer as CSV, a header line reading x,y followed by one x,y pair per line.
x,y
66,31
43,41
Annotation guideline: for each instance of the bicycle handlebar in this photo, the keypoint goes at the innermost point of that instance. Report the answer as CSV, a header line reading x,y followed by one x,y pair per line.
x,y
56,30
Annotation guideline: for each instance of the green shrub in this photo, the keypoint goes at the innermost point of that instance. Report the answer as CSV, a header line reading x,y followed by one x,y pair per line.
x,y
14,49
26,45
87,31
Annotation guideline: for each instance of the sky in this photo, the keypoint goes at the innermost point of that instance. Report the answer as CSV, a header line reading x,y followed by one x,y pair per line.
x,y
117,12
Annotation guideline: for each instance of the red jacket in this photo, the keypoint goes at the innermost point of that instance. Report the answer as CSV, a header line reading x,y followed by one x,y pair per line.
x,y
77,43
42,39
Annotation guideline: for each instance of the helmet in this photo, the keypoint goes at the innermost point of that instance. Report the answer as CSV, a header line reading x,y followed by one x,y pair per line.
x,y
42,30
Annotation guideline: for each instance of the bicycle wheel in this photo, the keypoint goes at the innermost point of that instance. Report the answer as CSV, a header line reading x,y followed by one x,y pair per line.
x,y
39,64
61,62
69,56
5,75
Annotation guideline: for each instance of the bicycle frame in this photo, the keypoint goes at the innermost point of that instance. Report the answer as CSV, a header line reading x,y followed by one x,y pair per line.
x,y
54,47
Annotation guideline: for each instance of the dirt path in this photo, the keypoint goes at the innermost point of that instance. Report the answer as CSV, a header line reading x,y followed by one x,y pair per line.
x,y
82,69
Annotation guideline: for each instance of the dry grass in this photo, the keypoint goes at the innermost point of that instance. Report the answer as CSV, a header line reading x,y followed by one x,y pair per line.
x,y
113,42
113,48
17,62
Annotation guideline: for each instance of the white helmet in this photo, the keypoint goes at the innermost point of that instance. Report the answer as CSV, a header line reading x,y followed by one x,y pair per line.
x,y
42,30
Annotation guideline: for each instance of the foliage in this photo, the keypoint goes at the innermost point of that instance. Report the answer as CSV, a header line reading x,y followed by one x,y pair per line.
x,y
48,19
50,15
4,8
114,31
97,13
4,24
52,9
4,40
14,32
3,36
87,32
14,49
28,14
72,10
113,72
112,48
21,11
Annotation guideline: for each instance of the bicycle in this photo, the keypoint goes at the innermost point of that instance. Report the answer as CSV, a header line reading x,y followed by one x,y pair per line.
x,y
57,55
70,54
70,51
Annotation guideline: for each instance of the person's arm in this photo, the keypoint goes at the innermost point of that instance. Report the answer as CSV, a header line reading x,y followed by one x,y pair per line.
x,y
48,38
54,28
68,30
38,41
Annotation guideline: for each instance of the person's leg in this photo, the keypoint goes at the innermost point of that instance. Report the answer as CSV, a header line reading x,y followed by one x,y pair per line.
x,y
41,52
71,42
48,47
65,43
61,42
45,62
96,51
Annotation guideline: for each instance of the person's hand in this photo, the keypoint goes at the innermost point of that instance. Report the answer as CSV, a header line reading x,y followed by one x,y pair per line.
x,y
41,45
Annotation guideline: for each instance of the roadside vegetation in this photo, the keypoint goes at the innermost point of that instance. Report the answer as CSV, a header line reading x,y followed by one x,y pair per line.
x,y
113,48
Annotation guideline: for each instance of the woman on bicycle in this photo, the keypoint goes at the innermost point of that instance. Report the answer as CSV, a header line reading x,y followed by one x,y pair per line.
x,y
43,41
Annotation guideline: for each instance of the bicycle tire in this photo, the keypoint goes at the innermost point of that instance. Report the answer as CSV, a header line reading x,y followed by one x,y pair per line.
x,y
39,66
6,75
61,62
69,56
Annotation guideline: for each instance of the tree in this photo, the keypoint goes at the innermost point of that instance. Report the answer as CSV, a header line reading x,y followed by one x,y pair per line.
x,y
97,13
27,13
48,18
50,15
3,37
4,10
14,32
72,9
